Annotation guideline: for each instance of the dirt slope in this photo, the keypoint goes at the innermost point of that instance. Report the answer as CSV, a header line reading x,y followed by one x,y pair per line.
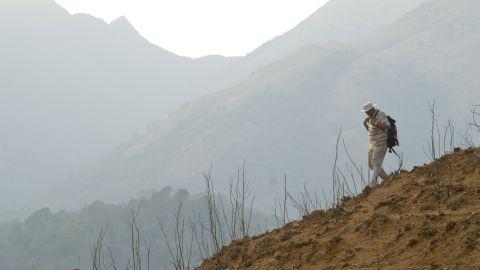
x,y
407,223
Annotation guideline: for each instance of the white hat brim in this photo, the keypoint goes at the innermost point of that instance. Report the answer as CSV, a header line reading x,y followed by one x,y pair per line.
x,y
374,106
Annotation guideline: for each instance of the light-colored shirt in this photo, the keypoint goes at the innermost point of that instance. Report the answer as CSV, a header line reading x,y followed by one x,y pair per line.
x,y
376,135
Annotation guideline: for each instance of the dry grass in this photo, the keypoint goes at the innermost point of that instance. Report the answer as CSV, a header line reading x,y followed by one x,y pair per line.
x,y
404,224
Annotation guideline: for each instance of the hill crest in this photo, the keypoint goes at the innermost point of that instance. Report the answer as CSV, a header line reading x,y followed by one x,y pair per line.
x,y
410,222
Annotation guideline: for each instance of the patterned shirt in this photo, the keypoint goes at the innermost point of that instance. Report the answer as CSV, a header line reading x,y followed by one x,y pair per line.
x,y
376,135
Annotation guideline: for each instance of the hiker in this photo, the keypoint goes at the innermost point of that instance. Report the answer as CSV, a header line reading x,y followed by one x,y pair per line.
x,y
377,125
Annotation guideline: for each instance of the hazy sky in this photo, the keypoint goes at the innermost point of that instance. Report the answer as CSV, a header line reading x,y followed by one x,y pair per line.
x,y
203,27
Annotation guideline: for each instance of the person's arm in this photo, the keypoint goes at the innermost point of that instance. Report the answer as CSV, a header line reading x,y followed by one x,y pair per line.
x,y
382,126
382,122
365,123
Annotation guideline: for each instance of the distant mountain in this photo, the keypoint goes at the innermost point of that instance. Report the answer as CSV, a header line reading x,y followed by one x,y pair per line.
x,y
285,117
72,87
48,240
327,24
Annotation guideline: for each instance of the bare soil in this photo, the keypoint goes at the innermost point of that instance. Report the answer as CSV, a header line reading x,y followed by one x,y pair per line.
x,y
416,220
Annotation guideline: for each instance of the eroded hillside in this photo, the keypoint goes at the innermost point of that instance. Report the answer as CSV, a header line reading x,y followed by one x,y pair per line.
x,y
422,219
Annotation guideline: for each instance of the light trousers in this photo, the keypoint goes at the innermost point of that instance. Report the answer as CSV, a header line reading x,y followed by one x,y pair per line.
x,y
376,155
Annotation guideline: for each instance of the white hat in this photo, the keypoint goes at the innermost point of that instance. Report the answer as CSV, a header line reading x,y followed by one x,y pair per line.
x,y
368,106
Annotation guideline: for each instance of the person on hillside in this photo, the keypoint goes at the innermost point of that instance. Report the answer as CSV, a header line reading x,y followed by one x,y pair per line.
x,y
377,125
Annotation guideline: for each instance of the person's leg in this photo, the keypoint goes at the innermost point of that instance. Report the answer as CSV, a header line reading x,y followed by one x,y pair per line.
x,y
373,181
370,152
382,174
371,165
377,161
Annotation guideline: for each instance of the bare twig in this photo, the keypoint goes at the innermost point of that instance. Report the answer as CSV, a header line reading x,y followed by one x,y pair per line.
x,y
97,259
180,254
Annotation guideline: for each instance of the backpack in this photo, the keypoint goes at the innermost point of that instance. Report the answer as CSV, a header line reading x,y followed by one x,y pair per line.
x,y
392,136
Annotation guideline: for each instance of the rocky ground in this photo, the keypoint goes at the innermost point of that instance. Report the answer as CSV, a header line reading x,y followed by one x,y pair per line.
x,y
428,218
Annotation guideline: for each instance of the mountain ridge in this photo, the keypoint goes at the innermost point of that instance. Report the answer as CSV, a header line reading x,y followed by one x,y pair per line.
x,y
74,87
283,115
